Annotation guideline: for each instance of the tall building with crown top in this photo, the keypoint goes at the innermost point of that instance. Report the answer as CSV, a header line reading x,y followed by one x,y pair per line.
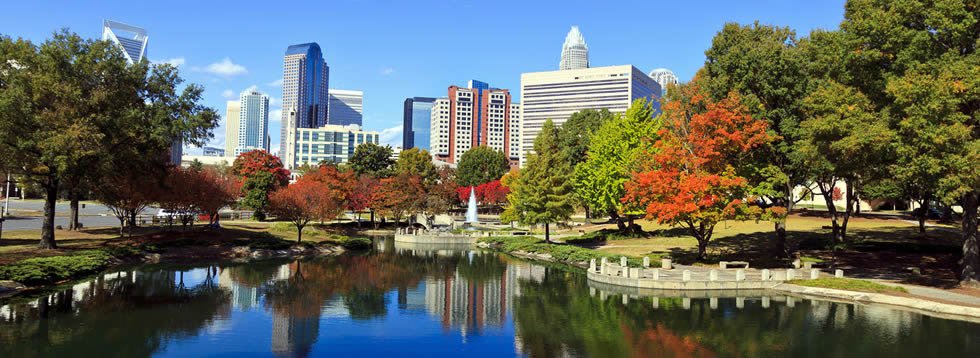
x,y
305,83
574,52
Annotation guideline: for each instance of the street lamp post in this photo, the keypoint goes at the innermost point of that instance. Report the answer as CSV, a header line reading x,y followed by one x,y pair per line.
x,y
6,197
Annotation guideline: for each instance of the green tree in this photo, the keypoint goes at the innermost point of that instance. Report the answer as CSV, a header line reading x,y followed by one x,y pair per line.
x,y
918,60
543,193
481,165
576,133
843,140
257,189
767,68
372,159
73,111
418,162
612,153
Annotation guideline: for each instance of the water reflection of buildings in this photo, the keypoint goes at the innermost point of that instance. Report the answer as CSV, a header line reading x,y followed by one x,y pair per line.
x,y
243,298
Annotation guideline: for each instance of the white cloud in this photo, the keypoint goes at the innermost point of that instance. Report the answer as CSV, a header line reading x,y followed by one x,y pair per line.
x,y
228,94
275,115
392,136
226,68
387,71
176,61
273,102
275,83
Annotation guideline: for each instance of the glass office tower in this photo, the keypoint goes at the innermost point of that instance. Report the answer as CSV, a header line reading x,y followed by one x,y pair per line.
x,y
415,126
305,82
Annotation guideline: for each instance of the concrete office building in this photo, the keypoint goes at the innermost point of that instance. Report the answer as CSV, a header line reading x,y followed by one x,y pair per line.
x,y
232,111
558,94
664,77
345,107
213,152
332,143
305,83
416,114
574,52
470,117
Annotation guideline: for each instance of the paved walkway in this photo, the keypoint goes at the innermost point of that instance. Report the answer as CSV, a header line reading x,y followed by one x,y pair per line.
x,y
935,293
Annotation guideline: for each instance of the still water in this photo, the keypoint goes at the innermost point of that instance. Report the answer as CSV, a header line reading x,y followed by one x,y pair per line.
x,y
410,300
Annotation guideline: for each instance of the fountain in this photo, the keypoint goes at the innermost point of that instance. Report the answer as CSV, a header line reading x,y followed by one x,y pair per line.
x,y
471,209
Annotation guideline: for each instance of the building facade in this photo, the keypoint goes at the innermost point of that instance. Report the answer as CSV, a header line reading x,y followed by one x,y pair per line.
x,y
305,83
253,122
213,152
558,94
345,107
664,77
132,39
232,112
416,116
471,117
574,52
332,143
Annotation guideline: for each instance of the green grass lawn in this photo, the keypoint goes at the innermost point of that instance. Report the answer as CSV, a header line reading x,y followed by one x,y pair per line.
x,y
848,284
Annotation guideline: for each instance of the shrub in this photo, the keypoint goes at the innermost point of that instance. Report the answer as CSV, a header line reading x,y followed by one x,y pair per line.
x,y
266,241
566,253
43,270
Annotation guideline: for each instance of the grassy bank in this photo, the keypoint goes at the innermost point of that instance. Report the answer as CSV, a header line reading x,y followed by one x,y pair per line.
x,y
848,284
569,254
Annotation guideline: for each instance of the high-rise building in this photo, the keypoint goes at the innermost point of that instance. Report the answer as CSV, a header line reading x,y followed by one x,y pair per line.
x,y
558,94
331,143
132,39
345,107
574,52
664,77
471,117
213,152
253,122
231,126
415,122
305,83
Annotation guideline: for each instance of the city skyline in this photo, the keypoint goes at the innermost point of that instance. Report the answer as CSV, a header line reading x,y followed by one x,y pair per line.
x,y
372,52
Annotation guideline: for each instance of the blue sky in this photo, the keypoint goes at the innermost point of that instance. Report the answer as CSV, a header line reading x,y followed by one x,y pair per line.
x,y
392,50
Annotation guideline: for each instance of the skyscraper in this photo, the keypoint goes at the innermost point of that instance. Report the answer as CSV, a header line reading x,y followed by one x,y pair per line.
x,y
253,121
574,52
345,107
327,143
132,39
558,94
472,117
305,83
664,77
231,126
415,122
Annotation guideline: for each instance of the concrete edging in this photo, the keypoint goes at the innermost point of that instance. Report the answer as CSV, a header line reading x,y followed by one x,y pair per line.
x,y
679,285
878,298
436,239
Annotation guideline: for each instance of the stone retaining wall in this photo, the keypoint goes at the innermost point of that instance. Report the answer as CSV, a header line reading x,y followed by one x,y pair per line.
x,y
436,239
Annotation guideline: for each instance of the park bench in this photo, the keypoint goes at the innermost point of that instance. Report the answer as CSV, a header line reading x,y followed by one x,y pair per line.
x,y
729,264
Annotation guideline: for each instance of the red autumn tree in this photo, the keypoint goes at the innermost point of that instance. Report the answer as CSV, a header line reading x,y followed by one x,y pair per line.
x,y
126,195
339,185
216,190
360,198
399,194
260,160
300,203
692,178
487,193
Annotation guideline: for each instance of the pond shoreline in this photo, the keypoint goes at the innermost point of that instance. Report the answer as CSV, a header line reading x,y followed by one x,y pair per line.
x,y
928,307
194,254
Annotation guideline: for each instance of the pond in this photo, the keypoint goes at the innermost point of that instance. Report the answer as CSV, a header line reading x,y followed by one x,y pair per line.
x,y
412,300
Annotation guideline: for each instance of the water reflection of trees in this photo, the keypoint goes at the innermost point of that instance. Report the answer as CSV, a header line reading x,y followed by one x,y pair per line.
x,y
111,317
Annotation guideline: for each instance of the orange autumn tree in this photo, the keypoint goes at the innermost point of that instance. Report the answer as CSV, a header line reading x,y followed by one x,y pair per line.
x,y
695,176
300,203
339,185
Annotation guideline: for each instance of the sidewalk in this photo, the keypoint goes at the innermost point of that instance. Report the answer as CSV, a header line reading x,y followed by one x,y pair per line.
x,y
935,293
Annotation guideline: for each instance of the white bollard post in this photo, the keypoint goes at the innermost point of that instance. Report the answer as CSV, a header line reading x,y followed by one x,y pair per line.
x,y
656,302
686,275
686,302
814,274
713,275
765,274
626,299
592,265
740,302
625,272
790,274
622,261
656,274
665,263
713,302
839,273
646,261
740,275
765,301
790,302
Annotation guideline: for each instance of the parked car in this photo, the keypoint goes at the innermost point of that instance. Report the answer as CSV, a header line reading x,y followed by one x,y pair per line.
x,y
167,214
932,214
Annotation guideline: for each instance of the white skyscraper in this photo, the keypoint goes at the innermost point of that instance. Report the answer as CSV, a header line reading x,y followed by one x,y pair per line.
x,y
253,121
663,77
132,39
345,107
556,95
574,52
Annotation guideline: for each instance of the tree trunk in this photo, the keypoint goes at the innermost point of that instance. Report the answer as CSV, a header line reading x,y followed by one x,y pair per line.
x,y
299,233
122,225
828,196
923,214
73,215
779,246
547,234
47,226
971,253
613,215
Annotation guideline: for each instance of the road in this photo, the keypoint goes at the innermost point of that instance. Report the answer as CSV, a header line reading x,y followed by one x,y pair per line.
x,y
90,216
